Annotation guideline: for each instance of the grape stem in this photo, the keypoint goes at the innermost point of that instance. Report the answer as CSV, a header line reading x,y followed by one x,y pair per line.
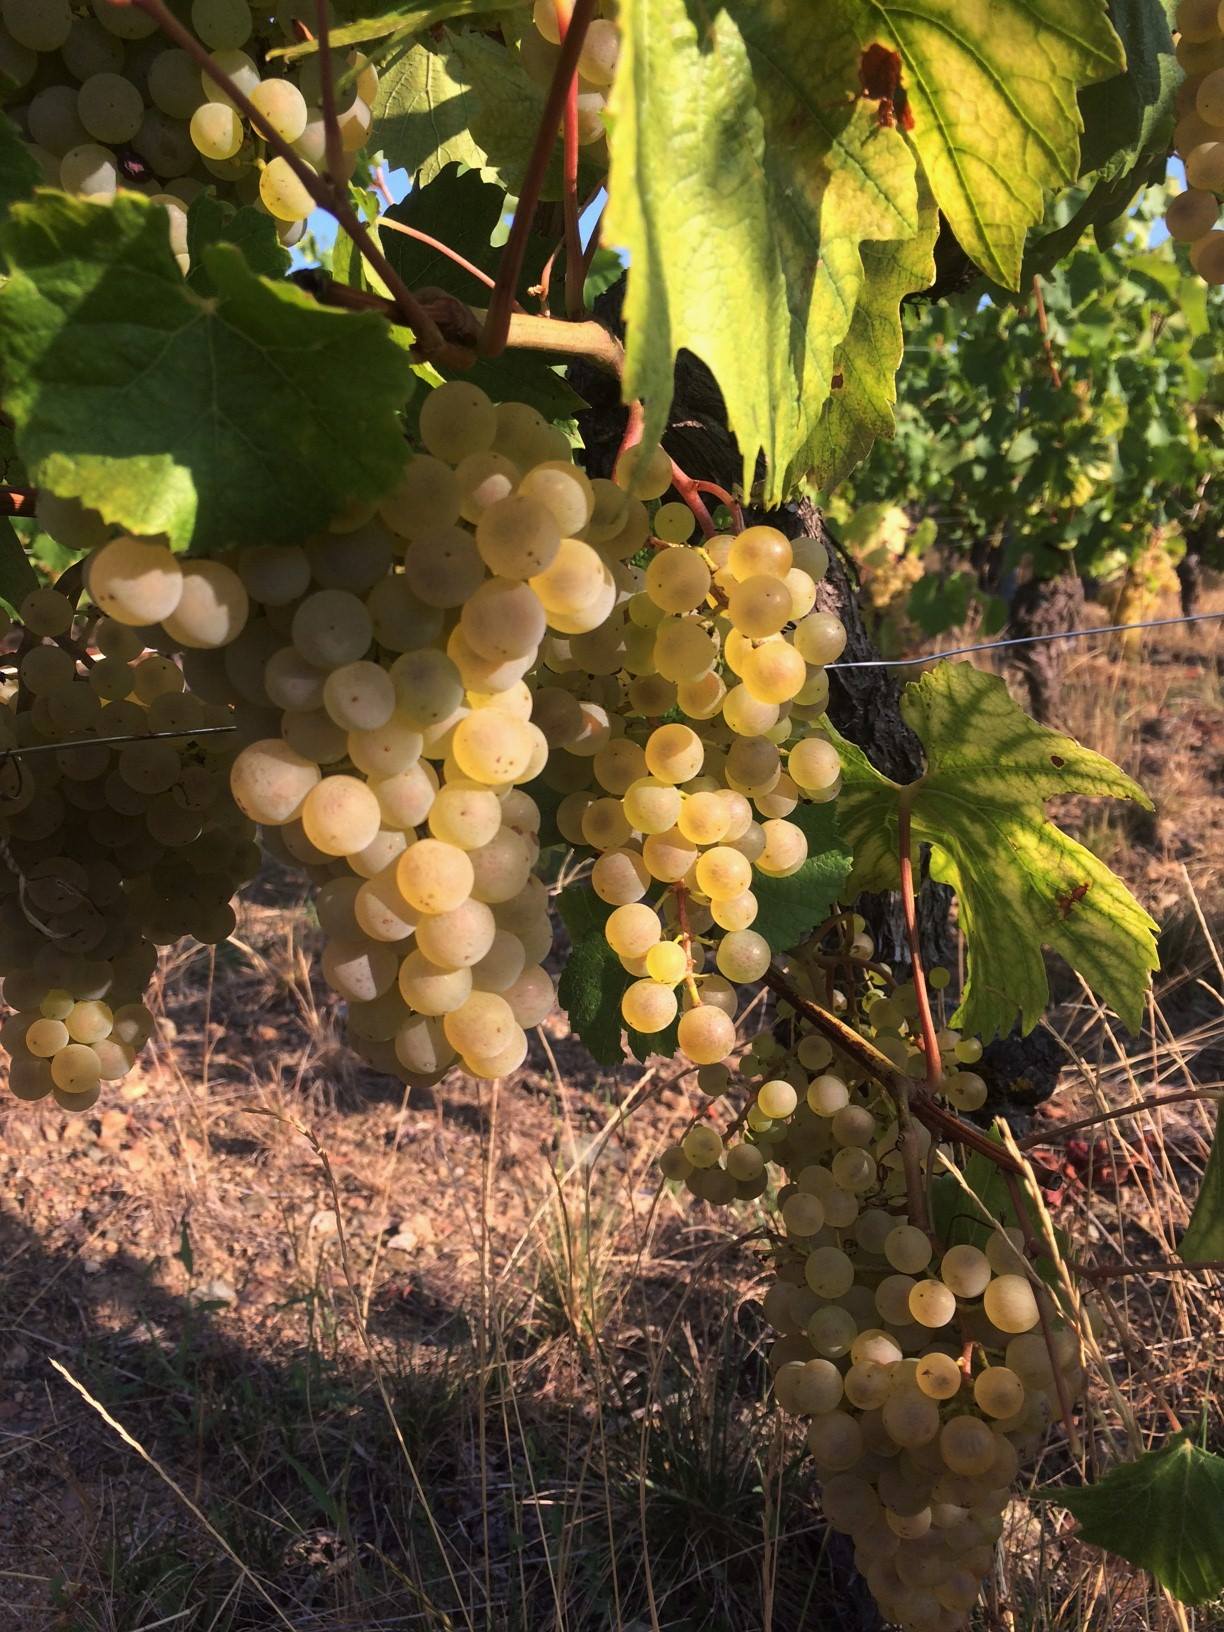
x,y
333,142
18,501
686,940
729,499
933,1116
930,1038
569,197
329,194
495,336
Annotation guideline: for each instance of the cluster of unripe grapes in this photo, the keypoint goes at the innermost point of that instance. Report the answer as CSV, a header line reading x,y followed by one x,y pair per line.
x,y
919,1366
539,47
1199,136
108,849
721,632
106,103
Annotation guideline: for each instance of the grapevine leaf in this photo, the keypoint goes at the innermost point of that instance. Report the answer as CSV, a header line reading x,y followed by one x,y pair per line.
x,y
1203,1241
1161,1512
1131,114
743,189
993,93
394,24
252,231
422,114
957,1219
254,415
789,908
506,107
860,405
17,576
1022,883
593,979
463,212
19,172
747,173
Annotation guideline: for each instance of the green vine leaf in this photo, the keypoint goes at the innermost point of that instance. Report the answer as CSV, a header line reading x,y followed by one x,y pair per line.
x,y
790,908
254,415
742,193
593,982
397,23
994,97
19,172
750,217
1131,115
593,979
1022,883
462,211
1161,1512
17,576
249,230
1203,1241
423,113
859,409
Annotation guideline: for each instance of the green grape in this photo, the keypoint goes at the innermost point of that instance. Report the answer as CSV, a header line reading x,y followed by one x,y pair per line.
x,y
238,68
820,638
110,107
931,1303
270,782
643,475
283,106
53,122
39,25
999,1392
216,130
174,87
340,815
359,696
212,606
459,938
90,170
283,193
123,20
965,1270
457,419
221,24
1010,1304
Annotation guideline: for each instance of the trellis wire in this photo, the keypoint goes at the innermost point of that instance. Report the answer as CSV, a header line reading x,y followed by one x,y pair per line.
x,y
106,742
1019,640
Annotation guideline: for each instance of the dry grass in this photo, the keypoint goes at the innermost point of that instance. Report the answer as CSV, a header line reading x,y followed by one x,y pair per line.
x,y
450,1360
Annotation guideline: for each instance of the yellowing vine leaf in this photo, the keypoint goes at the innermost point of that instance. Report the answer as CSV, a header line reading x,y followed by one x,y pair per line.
x,y
249,415
993,90
748,175
1021,882
745,176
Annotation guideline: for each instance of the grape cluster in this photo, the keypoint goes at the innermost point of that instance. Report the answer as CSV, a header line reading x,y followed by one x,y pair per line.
x,y
108,849
721,634
380,675
1198,136
105,103
919,1367
539,46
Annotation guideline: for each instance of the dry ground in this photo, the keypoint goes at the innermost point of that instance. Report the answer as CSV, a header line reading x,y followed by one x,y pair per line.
x,y
281,1347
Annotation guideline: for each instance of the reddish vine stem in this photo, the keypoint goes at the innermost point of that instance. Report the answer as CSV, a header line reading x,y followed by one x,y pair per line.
x,y
436,244
878,1066
569,197
690,492
1035,1140
930,1039
329,195
729,499
333,142
497,320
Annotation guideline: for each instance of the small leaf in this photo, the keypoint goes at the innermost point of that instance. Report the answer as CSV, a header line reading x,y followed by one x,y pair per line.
x,y
790,908
1161,1512
19,172
423,113
593,979
249,230
936,603
1203,1241
1132,114
1022,883
251,416
398,23
17,576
